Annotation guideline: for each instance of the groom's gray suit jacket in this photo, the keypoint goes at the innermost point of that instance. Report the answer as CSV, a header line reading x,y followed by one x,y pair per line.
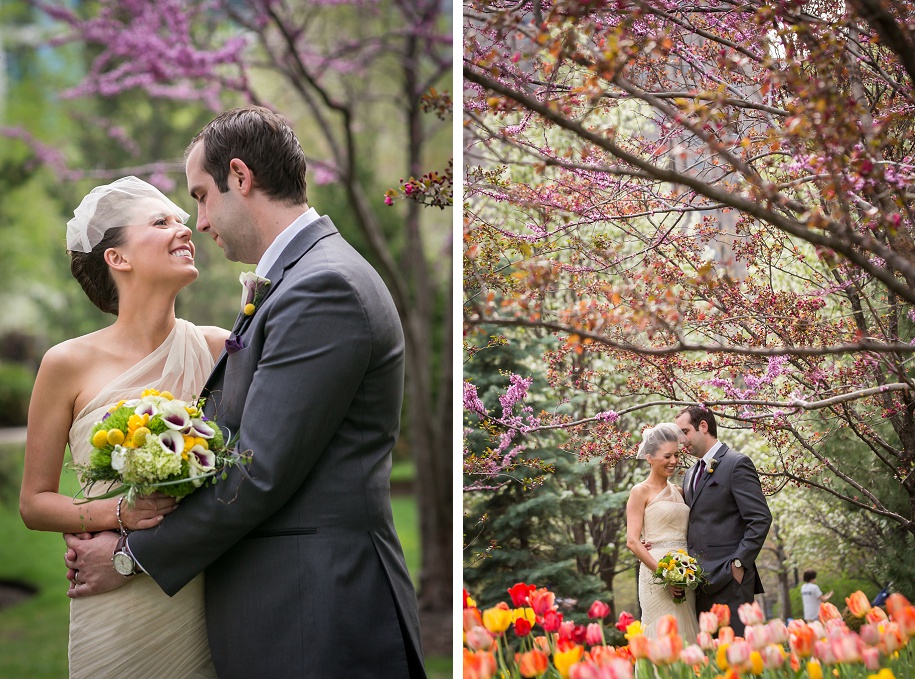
x,y
305,576
728,519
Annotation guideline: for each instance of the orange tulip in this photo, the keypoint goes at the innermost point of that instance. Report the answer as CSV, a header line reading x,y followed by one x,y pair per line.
x,y
472,618
858,604
665,649
723,614
542,643
479,665
875,614
906,620
895,603
533,663
667,626
638,646
829,612
542,600
800,639
726,635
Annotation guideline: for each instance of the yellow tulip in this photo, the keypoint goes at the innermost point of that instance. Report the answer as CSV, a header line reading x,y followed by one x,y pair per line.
x,y
634,629
756,663
100,438
497,620
525,613
563,660
115,437
722,657
814,669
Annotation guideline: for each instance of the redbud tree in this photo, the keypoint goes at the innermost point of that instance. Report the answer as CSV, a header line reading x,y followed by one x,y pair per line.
x,y
714,202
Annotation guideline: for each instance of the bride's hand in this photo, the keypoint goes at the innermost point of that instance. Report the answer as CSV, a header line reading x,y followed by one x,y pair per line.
x,y
677,592
147,512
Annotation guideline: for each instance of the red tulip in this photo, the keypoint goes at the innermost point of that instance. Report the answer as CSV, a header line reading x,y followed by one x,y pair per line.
x,y
522,627
801,638
551,621
625,620
598,610
520,593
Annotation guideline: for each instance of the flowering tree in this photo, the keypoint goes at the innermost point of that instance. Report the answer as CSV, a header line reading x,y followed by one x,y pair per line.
x,y
713,200
352,75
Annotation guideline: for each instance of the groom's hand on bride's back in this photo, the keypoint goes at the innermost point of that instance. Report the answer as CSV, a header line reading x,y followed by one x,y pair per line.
x,y
88,560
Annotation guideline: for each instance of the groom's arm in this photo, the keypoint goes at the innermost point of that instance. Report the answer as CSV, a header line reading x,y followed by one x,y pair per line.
x,y
317,347
754,510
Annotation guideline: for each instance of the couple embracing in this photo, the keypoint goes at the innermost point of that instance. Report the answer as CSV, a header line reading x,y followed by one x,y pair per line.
x,y
289,567
719,515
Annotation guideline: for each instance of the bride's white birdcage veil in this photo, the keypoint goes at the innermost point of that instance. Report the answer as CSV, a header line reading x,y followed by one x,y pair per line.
x,y
109,206
654,437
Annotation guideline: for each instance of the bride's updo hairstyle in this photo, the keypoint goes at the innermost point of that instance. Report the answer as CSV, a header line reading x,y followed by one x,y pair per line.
x,y
98,224
655,437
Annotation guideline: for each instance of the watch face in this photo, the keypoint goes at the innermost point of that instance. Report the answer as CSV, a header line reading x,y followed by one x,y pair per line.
x,y
123,564
738,563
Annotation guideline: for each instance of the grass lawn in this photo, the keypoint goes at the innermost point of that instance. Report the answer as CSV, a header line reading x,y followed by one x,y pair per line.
x,y
33,634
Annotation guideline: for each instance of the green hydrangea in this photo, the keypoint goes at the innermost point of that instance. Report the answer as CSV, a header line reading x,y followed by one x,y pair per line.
x,y
150,463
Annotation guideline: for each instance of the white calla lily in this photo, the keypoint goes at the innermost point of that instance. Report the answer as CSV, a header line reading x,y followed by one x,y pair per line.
x,y
172,441
201,428
174,416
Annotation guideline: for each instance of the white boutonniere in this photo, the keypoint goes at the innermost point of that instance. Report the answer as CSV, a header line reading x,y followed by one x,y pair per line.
x,y
712,465
253,289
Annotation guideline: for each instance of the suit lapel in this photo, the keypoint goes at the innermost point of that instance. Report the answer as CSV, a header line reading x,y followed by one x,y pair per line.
x,y
298,246
705,477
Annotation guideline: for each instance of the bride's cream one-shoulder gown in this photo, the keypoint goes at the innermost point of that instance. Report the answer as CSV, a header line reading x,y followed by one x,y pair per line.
x,y
137,631
664,526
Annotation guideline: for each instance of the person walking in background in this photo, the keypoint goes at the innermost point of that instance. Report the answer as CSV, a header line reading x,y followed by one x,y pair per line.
x,y
812,595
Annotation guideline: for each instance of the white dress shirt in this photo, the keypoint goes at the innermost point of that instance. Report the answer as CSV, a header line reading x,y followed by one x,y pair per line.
x,y
272,253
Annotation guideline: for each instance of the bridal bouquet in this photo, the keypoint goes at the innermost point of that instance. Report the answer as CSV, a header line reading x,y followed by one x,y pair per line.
x,y
155,443
679,569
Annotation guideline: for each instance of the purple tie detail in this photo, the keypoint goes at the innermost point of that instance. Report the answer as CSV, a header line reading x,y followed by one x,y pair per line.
x,y
698,477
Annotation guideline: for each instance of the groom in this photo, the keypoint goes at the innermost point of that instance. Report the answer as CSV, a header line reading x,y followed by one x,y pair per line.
x,y
305,576
728,516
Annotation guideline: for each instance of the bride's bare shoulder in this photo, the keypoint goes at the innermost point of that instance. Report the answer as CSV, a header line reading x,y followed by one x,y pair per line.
x,y
639,491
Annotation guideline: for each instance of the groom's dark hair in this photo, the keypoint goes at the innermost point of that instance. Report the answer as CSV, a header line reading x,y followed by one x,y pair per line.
x,y
699,414
267,145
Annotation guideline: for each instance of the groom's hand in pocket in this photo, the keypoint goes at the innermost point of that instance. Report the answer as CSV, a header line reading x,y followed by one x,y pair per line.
x,y
737,573
88,559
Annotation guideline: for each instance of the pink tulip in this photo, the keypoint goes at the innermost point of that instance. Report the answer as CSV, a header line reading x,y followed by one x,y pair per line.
x,y
665,649
822,651
594,635
598,610
870,634
726,635
891,638
847,648
875,614
625,620
773,656
480,639
758,636
692,655
567,629
871,658
778,632
705,641
751,614
708,622
738,653
667,626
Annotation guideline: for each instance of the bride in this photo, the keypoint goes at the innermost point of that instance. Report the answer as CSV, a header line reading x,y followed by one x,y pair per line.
x,y
657,513
131,253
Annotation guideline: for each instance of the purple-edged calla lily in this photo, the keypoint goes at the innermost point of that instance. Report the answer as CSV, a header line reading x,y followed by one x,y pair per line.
x,y
200,460
172,441
146,409
201,429
175,417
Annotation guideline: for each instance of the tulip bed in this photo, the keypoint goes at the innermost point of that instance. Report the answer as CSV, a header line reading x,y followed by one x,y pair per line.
x,y
530,638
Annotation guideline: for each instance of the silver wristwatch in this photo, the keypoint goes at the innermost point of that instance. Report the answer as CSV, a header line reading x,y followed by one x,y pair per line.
x,y
736,562
123,560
